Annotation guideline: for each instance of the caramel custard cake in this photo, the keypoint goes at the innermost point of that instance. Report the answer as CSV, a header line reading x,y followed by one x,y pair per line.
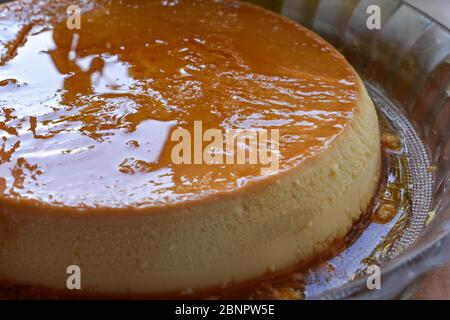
x,y
88,109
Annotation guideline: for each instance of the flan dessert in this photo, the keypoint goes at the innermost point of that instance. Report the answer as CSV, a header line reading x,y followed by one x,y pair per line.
x,y
106,112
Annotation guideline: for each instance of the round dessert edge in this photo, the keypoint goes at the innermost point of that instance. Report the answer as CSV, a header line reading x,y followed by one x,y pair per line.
x,y
212,244
230,237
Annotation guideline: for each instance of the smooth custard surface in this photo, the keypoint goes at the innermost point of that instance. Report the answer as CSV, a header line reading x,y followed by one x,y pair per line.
x,y
86,115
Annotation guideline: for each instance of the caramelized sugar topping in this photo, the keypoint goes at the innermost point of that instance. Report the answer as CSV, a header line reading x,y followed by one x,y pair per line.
x,y
86,115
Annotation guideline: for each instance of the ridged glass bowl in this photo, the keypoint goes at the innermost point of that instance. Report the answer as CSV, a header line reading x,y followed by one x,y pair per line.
x,y
406,64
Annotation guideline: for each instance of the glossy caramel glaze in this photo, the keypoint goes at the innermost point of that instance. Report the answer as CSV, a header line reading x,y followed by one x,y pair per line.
x,y
86,115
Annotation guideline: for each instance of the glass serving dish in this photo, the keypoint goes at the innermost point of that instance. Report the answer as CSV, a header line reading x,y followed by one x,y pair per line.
x,y
406,66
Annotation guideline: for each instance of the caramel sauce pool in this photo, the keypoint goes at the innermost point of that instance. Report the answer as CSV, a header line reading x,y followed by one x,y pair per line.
x,y
86,115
